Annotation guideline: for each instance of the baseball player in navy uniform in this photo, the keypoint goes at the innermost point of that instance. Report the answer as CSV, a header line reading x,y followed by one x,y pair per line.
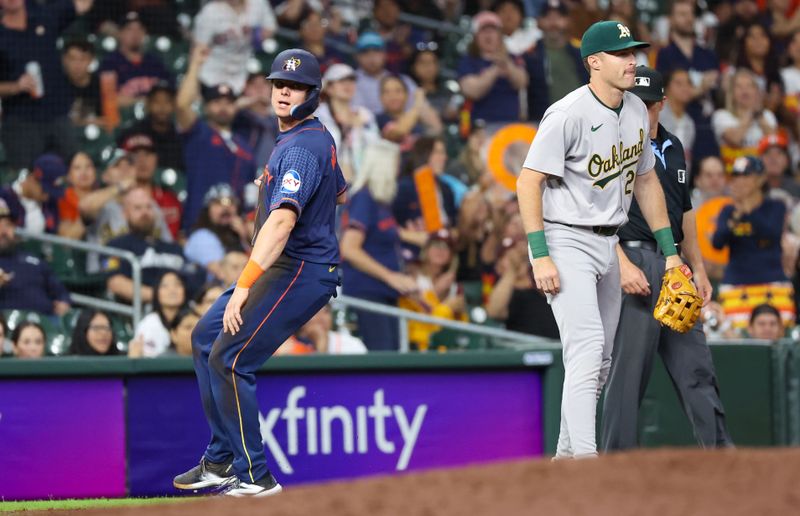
x,y
639,336
291,275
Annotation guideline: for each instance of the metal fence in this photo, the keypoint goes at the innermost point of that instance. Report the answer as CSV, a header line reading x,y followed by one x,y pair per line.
x,y
134,311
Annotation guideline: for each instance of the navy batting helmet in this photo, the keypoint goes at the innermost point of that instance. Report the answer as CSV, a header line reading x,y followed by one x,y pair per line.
x,y
300,66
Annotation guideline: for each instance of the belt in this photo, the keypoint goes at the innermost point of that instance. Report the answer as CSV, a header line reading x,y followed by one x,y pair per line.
x,y
598,230
645,244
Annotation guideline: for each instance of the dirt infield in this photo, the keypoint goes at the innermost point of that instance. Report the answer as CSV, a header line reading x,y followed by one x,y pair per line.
x,y
658,483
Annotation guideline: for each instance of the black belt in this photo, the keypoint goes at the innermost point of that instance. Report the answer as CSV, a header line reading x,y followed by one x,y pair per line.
x,y
645,244
598,230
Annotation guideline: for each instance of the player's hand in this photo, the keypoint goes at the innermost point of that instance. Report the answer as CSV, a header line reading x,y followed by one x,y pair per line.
x,y
674,261
632,279
402,283
703,285
232,319
546,275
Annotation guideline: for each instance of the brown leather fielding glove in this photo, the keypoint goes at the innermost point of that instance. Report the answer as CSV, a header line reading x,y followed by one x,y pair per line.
x,y
678,305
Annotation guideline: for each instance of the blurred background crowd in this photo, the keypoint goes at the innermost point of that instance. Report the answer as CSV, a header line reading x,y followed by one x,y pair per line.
x,y
141,125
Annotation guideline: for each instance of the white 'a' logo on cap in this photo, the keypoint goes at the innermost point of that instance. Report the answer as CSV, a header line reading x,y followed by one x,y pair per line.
x,y
291,64
624,32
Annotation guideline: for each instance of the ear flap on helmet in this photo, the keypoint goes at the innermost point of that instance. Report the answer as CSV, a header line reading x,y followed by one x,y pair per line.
x,y
301,111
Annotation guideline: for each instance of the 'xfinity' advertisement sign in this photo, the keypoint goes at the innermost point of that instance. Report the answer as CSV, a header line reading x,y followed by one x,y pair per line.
x,y
337,426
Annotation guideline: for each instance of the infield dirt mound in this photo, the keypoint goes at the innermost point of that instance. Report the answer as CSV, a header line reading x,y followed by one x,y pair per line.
x,y
643,483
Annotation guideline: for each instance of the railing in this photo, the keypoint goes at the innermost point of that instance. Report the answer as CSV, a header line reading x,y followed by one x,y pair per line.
x,y
134,311
404,316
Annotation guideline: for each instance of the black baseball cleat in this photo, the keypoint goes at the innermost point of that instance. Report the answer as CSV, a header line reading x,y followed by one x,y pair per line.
x,y
205,474
266,486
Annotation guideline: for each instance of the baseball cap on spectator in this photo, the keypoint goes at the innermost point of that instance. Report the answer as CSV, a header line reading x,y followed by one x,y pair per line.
x,y
773,140
219,91
553,5
338,72
138,141
370,41
130,17
648,84
747,165
50,169
608,36
222,193
161,86
485,19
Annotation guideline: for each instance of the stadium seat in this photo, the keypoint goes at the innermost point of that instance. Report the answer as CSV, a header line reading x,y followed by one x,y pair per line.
x,y
123,330
172,179
447,339
58,340
473,292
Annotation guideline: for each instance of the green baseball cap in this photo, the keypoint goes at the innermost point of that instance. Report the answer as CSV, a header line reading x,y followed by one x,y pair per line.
x,y
608,36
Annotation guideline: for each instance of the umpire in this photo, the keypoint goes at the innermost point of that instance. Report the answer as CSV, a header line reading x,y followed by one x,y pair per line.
x,y
686,356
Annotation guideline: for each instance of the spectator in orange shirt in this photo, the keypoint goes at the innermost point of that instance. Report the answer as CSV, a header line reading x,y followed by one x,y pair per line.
x,y
82,179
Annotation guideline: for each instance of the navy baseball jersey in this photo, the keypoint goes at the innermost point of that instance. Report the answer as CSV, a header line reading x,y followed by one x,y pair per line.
x,y
303,174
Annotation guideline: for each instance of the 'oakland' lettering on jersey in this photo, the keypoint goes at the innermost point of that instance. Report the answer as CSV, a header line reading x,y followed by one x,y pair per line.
x,y
598,165
584,165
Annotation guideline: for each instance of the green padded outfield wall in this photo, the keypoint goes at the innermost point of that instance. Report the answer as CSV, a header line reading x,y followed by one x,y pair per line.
x,y
757,383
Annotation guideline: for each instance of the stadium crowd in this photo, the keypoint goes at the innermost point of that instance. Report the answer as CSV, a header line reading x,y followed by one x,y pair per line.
x,y
142,125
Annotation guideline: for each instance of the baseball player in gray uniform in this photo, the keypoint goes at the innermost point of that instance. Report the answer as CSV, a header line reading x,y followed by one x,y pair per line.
x,y
590,156
685,355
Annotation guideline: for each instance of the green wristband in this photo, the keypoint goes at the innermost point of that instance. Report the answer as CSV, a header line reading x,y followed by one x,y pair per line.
x,y
665,241
538,244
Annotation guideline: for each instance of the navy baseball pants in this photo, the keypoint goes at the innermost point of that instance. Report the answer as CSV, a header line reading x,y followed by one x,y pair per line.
x,y
284,298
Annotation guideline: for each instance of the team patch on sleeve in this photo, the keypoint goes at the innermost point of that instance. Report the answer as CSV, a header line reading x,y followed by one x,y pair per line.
x,y
291,182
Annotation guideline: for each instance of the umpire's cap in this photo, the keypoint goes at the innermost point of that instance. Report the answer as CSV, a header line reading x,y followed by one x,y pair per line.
x,y
608,36
648,85
296,65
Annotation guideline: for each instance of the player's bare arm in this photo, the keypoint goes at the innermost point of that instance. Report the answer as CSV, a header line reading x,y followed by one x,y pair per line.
x,y
691,251
269,245
529,194
650,197
632,279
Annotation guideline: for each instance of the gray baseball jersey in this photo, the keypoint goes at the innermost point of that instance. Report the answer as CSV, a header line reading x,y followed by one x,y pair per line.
x,y
593,157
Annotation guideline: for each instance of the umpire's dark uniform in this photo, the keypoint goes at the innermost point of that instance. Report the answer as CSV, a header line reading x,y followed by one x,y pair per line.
x,y
686,356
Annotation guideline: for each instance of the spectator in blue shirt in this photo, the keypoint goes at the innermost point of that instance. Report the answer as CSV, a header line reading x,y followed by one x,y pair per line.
x,y
218,231
213,153
401,38
137,71
312,38
255,123
157,256
35,92
26,282
490,78
371,245
158,123
77,59
752,228
371,57
685,53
